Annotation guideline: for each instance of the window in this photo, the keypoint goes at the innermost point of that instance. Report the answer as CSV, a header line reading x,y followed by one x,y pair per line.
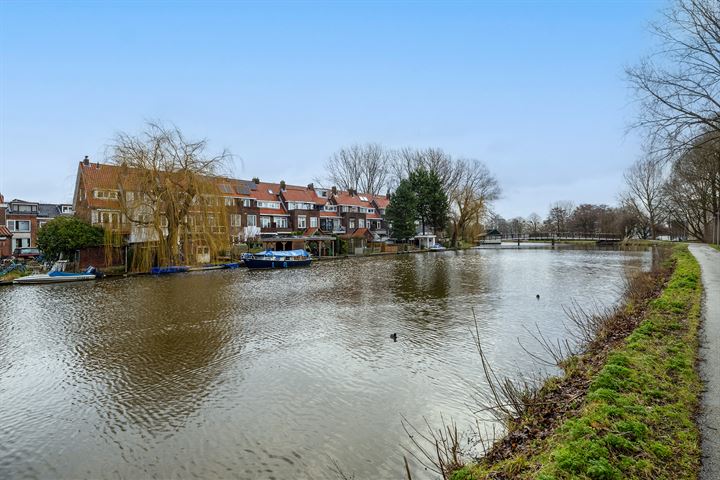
x,y
364,199
236,220
228,201
247,202
351,223
378,224
313,222
251,221
361,223
281,222
330,208
18,225
225,188
106,194
129,197
265,222
370,210
262,204
302,221
26,208
109,217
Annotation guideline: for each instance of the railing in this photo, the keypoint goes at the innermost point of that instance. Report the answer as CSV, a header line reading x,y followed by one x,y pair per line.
x,y
561,236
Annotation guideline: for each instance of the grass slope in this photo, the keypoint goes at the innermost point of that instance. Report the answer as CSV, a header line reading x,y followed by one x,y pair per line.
x,y
637,420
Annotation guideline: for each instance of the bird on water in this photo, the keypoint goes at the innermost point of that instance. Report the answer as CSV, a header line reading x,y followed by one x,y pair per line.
x,y
537,296
394,337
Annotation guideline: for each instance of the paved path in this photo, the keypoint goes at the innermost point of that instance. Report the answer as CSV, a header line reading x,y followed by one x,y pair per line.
x,y
709,420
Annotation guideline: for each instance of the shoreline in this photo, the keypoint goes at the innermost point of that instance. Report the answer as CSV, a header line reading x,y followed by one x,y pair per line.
x,y
625,407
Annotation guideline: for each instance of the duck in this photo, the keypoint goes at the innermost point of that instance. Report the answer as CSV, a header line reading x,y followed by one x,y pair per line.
x,y
393,336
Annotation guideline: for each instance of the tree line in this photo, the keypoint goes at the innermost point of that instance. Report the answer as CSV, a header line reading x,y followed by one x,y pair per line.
x,y
428,185
676,183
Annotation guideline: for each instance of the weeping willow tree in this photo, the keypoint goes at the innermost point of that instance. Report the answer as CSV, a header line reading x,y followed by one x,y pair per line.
x,y
171,205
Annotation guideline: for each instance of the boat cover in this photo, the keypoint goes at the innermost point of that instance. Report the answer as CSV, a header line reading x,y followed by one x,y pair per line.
x,y
282,253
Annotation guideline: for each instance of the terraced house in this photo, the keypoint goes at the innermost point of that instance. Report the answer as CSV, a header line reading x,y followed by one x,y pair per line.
x,y
254,209
22,219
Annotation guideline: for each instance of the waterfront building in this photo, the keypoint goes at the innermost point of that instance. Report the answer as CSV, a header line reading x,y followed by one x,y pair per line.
x,y
253,209
22,219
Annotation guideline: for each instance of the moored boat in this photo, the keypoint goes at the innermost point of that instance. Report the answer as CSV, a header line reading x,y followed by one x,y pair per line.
x,y
277,259
168,270
58,275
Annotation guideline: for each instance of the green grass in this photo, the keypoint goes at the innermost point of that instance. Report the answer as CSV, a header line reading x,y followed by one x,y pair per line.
x,y
715,246
636,421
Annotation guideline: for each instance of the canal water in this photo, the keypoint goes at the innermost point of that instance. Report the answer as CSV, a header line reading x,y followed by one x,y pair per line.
x,y
274,374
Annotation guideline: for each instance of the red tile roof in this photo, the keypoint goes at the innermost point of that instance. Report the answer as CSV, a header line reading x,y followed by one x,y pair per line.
x,y
344,198
301,194
329,214
4,232
272,211
263,192
381,202
358,233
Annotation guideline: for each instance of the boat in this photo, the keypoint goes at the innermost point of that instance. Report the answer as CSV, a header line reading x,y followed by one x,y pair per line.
x,y
437,247
57,274
169,270
277,259
220,266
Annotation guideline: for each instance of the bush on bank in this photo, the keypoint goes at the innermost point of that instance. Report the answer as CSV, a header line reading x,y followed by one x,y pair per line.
x,y
637,419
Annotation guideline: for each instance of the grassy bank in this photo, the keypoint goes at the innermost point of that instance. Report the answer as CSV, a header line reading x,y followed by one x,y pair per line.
x,y
629,415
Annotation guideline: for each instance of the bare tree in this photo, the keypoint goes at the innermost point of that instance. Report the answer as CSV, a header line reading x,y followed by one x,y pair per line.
x,y
167,191
644,194
534,222
407,160
363,168
693,187
678,86
475,187
558,216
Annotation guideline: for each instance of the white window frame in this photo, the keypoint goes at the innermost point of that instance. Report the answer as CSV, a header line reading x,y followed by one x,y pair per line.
x,y
252,221
361,223
265,221
235,220
351,223
302,221
313,222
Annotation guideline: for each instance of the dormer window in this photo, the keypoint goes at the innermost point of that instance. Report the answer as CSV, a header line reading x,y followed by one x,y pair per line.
x,y
106,194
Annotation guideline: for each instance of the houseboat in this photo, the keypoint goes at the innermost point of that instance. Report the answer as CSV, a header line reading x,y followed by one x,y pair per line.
x,y
277,259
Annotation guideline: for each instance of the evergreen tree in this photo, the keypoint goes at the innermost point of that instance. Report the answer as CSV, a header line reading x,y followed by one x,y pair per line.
x,y
402,211
431,203
65,235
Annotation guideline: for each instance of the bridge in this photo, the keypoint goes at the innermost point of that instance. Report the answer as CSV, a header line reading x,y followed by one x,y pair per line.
x,y
600,238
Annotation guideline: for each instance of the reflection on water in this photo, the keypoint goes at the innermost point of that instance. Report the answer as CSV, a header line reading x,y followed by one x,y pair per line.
x,y
237,374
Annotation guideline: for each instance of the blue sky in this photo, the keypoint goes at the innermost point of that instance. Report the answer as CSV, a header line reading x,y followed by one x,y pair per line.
x,y
536,90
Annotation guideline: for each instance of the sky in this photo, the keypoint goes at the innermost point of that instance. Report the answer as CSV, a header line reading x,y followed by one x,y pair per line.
x,y
535,90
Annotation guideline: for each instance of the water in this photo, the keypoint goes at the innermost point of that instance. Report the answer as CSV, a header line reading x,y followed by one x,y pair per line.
x,y
276,374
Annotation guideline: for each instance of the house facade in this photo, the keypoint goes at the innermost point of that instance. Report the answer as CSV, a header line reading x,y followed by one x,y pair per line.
x,y
22,219
255,209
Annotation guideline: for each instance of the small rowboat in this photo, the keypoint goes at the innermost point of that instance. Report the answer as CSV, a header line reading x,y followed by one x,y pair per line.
x,y
58,275
279,259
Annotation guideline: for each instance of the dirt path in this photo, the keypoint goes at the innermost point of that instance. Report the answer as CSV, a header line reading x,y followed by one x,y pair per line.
x,y
709,421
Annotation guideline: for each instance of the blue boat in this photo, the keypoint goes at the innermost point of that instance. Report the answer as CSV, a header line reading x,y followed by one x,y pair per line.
x,y
279,259
168,270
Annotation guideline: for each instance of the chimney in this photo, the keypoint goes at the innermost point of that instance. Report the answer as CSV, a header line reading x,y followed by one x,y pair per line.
x,y
334,190
86,161
351,192
97,165
311,186
256,180
387,195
